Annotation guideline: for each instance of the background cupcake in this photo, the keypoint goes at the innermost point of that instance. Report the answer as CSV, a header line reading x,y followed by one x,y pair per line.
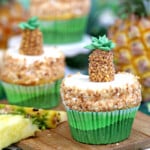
x,y
62,21
101,107
32,74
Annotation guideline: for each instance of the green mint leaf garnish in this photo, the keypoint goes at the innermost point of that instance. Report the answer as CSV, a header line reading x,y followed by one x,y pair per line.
x,y
31,24
102,43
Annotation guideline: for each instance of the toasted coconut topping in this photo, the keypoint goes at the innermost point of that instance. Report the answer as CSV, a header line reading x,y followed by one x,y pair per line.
x,y
33,70
79,93
59,9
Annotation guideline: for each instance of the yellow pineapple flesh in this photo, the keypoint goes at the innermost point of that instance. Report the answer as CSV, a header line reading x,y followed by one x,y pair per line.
x,y
132,52
17,123
14,128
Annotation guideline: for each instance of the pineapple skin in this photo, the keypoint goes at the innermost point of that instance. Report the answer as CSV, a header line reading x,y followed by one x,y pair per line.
x,y
14,128
132,52
43,118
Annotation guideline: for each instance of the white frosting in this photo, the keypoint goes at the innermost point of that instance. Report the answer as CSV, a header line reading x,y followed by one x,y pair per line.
x,y
48,53
69,49
82,82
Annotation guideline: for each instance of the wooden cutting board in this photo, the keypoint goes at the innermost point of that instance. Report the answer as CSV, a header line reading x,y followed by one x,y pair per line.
x,y
60,138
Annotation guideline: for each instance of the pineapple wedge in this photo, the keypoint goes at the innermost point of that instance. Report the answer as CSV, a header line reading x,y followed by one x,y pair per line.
x,y
43,118
17,123
14,128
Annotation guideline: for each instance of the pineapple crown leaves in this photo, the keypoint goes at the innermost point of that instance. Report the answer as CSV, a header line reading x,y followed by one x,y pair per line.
x,y
146,4
102,43
137,7
31,24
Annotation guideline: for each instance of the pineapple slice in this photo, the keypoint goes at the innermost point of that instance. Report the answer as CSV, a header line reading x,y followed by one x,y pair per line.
x,y
43,118
14,128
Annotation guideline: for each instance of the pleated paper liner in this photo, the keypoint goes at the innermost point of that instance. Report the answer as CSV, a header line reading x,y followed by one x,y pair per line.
x,y
63,31
2,92
101,127
41,96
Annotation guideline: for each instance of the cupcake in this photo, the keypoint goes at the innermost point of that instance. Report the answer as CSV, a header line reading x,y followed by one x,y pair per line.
x,y
62,21
101,106
32,74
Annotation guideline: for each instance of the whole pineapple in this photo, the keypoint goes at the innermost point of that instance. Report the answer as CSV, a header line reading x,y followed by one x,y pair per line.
x,y
132,38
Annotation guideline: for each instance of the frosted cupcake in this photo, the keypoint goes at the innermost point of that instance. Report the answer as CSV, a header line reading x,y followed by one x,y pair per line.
x,y
101,107
62,21
31,74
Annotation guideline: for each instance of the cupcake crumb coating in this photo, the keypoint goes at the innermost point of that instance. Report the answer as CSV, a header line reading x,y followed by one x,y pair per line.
x,y
25,70
80,94
59,9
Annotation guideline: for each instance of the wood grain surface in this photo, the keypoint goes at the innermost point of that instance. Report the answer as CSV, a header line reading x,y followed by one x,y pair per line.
x,y
61,139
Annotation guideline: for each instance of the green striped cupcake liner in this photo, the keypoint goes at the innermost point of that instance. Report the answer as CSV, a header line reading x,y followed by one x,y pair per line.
x,y
41,96
101,127
63,31
2,92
